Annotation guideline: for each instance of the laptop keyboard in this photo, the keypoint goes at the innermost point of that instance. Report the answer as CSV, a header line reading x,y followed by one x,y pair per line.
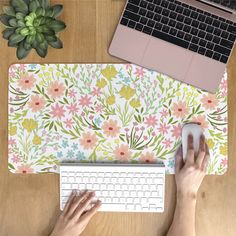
x,y
226,3
183,25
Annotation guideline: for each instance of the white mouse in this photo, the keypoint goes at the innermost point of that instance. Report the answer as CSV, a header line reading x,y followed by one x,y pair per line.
x,y
194,129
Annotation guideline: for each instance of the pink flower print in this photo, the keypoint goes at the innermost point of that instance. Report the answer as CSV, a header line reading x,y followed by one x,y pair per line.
x,y
15,159
201,120
224,84
148,157
91,117
126,129
151,121
224,162
22,67
56,89
145,137
72,108
12,110
164,113
136,129
153,134
24,169
88,140
57,111
167,143
122,152
142,128
26,81
69,123
12,73
225,130
163,128
11,142
85,101
176,131
96,91
135,123
209,101
111,128
99,108
37,103
83,114
72,93
180,109
128,66
139,72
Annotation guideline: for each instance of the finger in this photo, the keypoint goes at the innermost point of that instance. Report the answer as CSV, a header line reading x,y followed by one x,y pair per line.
x,y
77,200
179,162
84,205
69,201
201,152
206,159
89,214
190,151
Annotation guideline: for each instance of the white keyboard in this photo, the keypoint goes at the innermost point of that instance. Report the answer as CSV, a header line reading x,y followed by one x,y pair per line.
x,y
120,187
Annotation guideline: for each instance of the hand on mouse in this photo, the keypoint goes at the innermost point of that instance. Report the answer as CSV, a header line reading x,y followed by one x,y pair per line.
x,y
189,175
74,217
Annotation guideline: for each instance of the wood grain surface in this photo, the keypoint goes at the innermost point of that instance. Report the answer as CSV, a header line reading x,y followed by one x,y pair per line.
x,y
29,204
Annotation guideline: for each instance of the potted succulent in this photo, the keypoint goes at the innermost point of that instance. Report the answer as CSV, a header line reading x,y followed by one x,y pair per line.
x,y
32,24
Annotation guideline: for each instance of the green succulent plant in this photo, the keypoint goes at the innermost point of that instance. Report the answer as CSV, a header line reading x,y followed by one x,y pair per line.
x,y
32,24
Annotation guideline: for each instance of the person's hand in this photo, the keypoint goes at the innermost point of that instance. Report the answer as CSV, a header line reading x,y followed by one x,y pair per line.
x,y
74,217
189,175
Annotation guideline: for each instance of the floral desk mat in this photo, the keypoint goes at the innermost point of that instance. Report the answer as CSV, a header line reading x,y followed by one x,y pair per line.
x,y
106,112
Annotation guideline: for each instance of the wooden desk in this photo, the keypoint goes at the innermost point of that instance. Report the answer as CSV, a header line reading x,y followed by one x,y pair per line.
x,y
29,204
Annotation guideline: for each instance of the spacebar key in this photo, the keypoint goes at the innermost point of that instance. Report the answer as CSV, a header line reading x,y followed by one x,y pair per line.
x,y
112,207
170,39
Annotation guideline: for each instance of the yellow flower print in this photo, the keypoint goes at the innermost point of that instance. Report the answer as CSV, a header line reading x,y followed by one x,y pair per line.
x,y
109,72
223,150
210,143
111,100
127,92
37,140
30,124
12,130
47,74
135,103
101,83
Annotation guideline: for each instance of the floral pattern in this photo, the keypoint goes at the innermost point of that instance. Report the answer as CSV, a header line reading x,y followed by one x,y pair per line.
x,y
107,112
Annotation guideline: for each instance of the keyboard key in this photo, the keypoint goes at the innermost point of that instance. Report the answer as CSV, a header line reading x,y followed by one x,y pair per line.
x,y
232,37
173,31
180,18
188,37
164,20
180,34
158,26
186,12
139,27
216,56
142,12
194,15
209,20
224,59
226,43
135,2
170,39
216,23
193,47
171,23
210,45
209,53
201,34
132,8
151,7
165,28
179,26
216,39
151,23
187,28
209,37
217,32
201,17
209,29
164,3
222,50
131,24
143,4
187,20
124,21
131,16
171,6
224,34
201,50
150,14
179,9
202,42
223,26
157,17
146,30
195,23
173,15
143,20
232,29
158,9
202,26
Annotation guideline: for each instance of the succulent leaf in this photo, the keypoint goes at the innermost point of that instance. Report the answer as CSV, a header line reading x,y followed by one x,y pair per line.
x,y
20,16
9,10
13,22
44,3
56,44
57,9
42,52
16,38
57,25
8,32
33,6
4,18
22,52
20,6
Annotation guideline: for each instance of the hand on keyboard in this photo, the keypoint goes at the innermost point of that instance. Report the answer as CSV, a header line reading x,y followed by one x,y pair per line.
x,y
189,175
74,217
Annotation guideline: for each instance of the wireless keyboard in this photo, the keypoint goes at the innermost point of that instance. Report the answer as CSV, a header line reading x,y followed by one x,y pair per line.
x,y
120,187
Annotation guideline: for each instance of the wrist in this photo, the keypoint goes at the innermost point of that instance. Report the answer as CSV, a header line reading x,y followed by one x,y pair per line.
x,y
186,196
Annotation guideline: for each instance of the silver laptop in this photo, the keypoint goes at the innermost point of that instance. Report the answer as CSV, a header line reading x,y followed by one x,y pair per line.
x,y
190,41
